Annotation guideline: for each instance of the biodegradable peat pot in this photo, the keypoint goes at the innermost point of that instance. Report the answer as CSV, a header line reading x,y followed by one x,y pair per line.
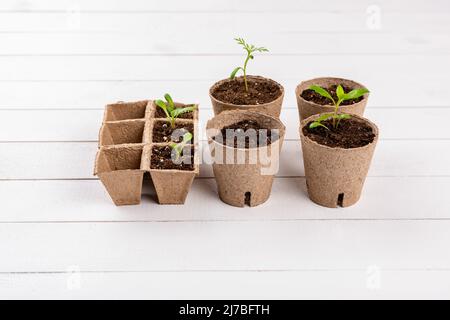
x,y
272,107
172,185
125,111
244,175
121,132
119,169
308,108
335,176
126,143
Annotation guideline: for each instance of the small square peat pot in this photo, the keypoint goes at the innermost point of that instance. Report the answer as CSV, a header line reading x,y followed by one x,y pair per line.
x,y
172,175
119,169
136,138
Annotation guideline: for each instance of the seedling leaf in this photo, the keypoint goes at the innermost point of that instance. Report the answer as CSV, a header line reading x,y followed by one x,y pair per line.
x,y
171,112
355,94
169,100
324,117
163,106
179,111
178,147
340,92
317,124
233,74
343,116
322,92
250,49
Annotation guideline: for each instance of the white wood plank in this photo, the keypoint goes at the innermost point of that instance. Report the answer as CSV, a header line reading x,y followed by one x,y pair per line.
x,y
87,201
371,69
95,94
274,245
237,22
309,284
380,75
400,158
172,43
220,6
83,125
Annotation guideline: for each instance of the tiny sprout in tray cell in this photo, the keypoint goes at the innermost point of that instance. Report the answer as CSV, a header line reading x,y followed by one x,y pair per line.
x,y
172,112
341,97
178,148
250,49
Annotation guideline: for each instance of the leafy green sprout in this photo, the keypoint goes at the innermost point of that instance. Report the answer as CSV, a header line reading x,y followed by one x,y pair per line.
x,y
179,147
342,96
172,113
250,49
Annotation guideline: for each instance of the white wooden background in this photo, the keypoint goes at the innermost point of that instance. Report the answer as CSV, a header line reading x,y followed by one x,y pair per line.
x,y
60,235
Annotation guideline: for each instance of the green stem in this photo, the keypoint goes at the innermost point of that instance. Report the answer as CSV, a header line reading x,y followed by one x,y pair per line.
x,y
336,108
245,71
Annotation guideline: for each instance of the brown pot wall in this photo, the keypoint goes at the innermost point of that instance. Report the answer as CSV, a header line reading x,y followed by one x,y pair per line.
x,y
119,169
331,172
235,181
125,111
272,108
125,142
172,186
121,132
308,108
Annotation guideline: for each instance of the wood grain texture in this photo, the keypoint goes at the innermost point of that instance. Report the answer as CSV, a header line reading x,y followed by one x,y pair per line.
x,y
62,61
179,6
87,201
234,245
371,283
64,125
62,160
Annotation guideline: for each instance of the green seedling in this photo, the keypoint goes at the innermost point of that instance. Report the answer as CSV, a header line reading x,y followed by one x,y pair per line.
x,y
179,147
342,96
250,49
171,112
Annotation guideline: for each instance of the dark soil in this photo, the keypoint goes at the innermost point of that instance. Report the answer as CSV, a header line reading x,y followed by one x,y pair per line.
x,y
162,159
160,114
351,133
260,91
259,137
311,95
162,131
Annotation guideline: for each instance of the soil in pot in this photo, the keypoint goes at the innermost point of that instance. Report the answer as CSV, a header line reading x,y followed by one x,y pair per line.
x,y
351,133
160,114
260,91
312,96
260,136
162,159
162,131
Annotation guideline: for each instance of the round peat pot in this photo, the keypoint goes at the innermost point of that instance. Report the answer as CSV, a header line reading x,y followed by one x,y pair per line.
x,y
272,108
245,175
308,108
335,176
